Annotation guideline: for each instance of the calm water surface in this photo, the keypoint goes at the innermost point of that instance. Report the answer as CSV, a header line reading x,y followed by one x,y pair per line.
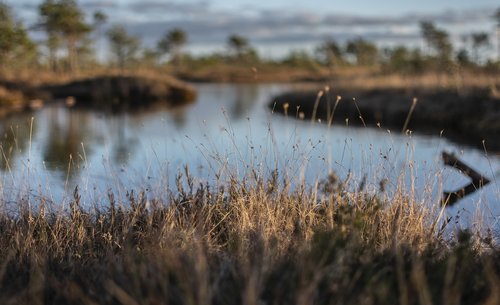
x,y
228,130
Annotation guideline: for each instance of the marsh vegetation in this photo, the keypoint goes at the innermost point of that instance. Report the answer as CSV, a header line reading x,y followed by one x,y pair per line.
x,y
250,241
122,183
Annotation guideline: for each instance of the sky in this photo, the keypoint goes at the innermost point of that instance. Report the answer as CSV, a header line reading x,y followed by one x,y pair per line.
x,y
276,27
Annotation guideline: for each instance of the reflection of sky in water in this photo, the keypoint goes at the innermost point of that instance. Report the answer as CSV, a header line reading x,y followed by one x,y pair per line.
x,y
227,131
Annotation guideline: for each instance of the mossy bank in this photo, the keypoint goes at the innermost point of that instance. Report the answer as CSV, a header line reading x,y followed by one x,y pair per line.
x,y
116,91
470,115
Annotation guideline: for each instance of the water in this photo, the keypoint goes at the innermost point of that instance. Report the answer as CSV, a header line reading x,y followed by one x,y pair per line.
x,y
226,132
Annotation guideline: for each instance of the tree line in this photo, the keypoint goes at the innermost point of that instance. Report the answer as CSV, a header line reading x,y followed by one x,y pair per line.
x,y
69,35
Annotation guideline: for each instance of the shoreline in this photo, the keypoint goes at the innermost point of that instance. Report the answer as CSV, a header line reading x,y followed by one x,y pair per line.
x,y
115,91
468,116
468,109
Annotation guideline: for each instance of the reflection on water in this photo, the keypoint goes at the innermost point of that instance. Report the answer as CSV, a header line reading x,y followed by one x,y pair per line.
x,y
244,101
124,145
179,117
228,130
64,148
15,136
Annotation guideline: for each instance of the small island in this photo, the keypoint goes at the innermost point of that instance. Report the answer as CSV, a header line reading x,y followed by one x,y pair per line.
x,y
100,92
468,114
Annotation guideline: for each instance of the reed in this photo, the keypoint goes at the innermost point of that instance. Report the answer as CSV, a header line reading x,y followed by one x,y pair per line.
x,y
254,236
249,241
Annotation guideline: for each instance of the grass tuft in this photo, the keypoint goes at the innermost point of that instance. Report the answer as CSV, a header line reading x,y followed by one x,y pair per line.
x,y
248,241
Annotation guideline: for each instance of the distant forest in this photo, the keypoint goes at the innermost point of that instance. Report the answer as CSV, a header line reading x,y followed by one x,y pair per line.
x,y
73,39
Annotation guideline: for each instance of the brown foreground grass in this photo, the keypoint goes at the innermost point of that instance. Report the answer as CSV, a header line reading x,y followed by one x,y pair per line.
x,y
250,241
246,241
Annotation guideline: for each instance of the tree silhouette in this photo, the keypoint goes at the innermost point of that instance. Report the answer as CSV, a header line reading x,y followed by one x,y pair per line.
x,y
47,9
479,40
496,18
399,59
238,45
330,53
172,42
15,44
438,41
463,57
124,47
365,52
99,19
63,21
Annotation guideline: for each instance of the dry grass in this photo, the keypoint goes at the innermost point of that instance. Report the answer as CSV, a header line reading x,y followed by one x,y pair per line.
x,y
251,241
458,81
345,77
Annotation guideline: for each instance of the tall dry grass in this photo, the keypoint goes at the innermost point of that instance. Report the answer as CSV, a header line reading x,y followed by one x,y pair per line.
x,y
251,241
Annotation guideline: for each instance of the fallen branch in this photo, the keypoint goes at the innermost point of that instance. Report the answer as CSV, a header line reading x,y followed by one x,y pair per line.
x,y
478,181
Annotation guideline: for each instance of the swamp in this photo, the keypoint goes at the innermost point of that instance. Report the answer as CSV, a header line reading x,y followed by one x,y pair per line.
x,y
141,165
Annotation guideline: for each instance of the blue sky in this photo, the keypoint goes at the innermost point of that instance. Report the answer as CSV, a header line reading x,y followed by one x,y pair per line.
x,y
278,26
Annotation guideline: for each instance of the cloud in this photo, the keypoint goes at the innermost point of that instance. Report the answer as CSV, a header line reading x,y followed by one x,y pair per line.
x,y
271,25
206,24
162,7
99,5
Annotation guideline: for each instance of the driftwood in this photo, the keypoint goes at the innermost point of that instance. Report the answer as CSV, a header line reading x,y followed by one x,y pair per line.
x,y
478,181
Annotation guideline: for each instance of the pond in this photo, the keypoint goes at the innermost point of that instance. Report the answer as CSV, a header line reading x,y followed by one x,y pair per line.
x,y
228,131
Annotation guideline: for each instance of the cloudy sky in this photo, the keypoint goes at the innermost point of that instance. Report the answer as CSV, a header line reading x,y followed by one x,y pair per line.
x,y
275,27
